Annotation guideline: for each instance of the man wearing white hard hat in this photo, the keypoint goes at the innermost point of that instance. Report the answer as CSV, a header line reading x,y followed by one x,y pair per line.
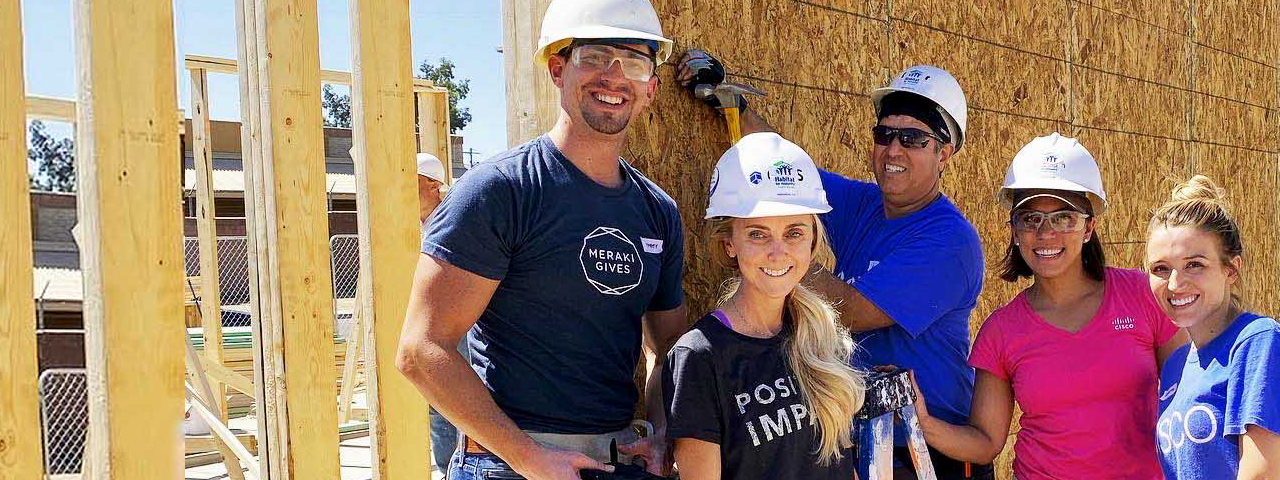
x,y
909,265
561,264
772,352
430,180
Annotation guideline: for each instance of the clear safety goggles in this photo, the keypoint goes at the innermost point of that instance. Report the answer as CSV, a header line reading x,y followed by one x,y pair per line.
x,y
636,65
1062,221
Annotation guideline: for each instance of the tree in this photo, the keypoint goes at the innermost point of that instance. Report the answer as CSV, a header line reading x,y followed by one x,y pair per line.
x,y
337,108
442,76
54,159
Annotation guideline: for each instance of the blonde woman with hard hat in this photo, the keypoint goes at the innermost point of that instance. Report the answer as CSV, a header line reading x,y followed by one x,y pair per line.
x,y
909,265
1079,350
560,263
760,388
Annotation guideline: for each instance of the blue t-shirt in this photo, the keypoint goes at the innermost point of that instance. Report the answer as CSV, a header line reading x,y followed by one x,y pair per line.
x,y
578,264
924,270
1208,395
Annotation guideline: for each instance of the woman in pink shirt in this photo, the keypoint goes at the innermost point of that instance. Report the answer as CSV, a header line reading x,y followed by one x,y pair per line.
x,y
1079,349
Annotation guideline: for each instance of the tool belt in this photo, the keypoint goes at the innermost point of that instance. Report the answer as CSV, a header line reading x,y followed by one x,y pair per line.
x,y
595,446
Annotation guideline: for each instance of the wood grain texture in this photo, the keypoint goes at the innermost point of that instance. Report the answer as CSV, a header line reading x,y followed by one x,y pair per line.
x,y
295,282
20,452
433,127
131,257
387,218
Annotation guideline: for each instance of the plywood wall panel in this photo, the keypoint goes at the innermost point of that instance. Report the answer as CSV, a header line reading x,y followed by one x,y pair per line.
x,y
868,8
1225,75
1137,173
1039,26
1171,15
1112,102
1243,27
854,64
1227,122
993,77
1125,45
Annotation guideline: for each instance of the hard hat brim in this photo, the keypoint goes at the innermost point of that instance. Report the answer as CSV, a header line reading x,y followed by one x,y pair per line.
x,y
1006,193
602,31
766,208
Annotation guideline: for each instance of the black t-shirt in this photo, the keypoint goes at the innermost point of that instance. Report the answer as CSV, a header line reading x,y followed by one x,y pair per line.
x,y
737,391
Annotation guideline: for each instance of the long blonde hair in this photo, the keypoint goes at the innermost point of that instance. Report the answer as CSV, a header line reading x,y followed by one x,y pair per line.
x,y
818,349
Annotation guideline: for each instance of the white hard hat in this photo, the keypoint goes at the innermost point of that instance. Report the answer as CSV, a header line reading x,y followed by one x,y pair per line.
x,y
567,20
429,166
936,85
764,175
1054,162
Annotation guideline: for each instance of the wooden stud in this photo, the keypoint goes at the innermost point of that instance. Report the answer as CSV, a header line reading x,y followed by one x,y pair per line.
x,y
207,239
386,179
532,100
295,285
131,257
355,339
269,443
20,451
227,65
433,134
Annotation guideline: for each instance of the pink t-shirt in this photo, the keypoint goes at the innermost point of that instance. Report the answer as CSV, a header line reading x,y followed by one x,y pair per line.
x,y
1088,398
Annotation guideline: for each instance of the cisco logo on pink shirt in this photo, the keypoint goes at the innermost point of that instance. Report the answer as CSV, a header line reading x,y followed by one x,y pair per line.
x,y
1125,323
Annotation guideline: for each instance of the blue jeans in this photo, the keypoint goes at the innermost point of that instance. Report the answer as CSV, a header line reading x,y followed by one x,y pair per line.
x,y
479,466
444,440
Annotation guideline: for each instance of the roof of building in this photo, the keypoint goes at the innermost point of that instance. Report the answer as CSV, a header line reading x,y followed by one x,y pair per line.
x,y
233,181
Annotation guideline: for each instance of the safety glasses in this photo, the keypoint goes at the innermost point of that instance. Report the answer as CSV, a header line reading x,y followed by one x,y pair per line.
x,y
1062,221
908,137
636,65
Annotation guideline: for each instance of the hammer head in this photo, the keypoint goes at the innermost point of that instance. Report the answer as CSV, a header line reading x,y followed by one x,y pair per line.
x,y
726,93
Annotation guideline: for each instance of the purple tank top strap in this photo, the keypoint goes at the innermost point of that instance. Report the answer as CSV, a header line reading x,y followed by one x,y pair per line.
x,y
724,319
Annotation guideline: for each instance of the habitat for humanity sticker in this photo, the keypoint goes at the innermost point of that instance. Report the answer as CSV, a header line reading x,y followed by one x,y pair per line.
x,y
610,261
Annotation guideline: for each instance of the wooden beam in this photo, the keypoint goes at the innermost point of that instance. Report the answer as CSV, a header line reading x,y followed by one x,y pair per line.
x,y
386,192
198,444
270,433
221,431
131,257
20,451
355,339
225,375
338,77
49,108
207,240
532,100
433,132
295,285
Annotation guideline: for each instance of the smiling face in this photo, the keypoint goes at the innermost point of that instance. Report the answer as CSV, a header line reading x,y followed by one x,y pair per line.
x,y
1190,279
773,253
606,101
908,177
1048,252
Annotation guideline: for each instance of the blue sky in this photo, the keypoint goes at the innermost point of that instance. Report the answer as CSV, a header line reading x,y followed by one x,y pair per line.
x,y
466,32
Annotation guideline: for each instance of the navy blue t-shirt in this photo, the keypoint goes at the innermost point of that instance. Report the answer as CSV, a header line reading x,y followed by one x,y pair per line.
x,y
1212,394
578,264
924,270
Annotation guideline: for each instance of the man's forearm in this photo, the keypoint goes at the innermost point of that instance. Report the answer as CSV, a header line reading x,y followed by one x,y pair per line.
x,y
657,412
752,122
856,312
453,388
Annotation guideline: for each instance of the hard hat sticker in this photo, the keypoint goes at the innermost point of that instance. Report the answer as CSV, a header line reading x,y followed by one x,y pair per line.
x,y
610,261
785,176
1052,165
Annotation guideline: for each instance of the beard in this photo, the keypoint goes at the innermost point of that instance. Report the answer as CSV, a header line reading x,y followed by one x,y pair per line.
x,y
605,123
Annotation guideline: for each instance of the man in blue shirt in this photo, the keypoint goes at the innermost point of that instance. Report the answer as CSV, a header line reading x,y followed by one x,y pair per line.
x,y
557,260
909,266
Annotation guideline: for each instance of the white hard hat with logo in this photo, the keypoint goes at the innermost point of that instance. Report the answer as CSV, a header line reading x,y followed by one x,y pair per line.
x,y
1054,162
567,20
939,87
429,166
764,175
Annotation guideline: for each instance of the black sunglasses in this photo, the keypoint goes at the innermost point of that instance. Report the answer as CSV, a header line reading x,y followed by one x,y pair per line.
x,y
908,137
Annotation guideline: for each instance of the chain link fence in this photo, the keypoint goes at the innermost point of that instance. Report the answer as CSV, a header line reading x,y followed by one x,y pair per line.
x,y
344,257
64,419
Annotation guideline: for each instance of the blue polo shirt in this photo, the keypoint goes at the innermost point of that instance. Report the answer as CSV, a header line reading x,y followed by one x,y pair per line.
x,y
924,270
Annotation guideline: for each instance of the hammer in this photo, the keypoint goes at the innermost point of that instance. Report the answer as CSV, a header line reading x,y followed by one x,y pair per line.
x,y
728,95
